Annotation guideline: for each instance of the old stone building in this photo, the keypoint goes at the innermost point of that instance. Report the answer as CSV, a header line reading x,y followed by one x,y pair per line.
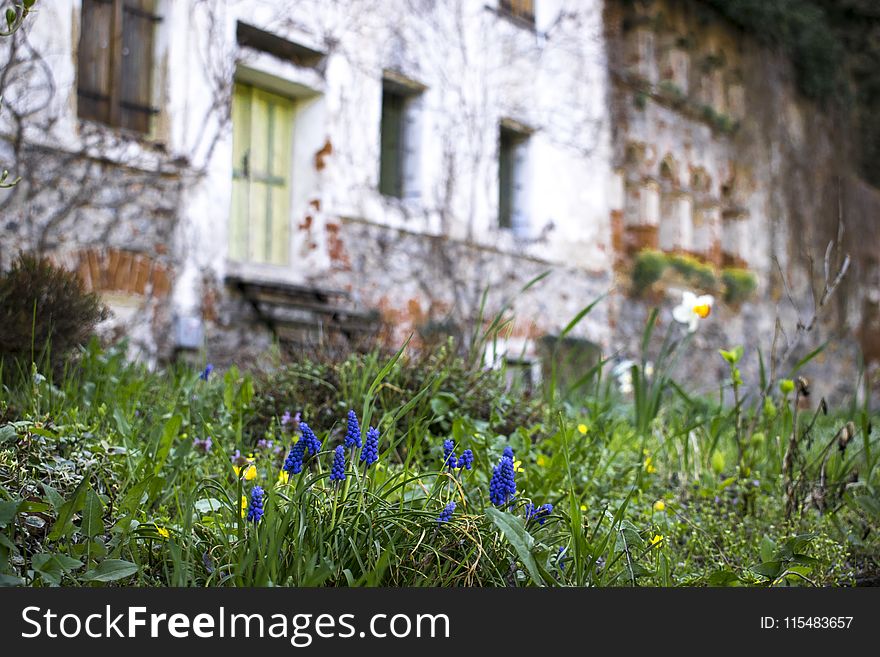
x,y
227,173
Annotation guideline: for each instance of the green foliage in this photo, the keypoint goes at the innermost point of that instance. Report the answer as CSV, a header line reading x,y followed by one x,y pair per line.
x,y
101,482
648,268
650,265
739,284
44,312
700,274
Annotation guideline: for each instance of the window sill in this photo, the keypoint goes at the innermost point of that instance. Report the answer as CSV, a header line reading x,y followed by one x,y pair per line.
x,y
90,127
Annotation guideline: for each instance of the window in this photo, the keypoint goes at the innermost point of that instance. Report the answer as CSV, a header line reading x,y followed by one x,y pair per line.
x,y
261,154
399,136
512,180
522,9
115,63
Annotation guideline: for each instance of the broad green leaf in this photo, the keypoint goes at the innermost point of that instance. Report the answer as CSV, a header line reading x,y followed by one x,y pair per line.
x,y
8,509
133,496
768,549
93,515
10,580
8,434
515,532
169,433
54,497
208,505
768,569
64,522
111,570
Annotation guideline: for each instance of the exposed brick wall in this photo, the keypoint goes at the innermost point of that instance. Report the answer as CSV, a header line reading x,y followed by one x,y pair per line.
x,y
117,270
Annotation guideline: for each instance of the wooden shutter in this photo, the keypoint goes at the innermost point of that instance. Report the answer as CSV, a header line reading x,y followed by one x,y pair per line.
x,y
95,75
241,154
262,130
136,65
115,62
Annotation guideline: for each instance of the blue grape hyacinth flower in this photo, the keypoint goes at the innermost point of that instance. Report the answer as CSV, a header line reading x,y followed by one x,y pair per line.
x,y
466,460
502,487
353,432
206,372
309,438
293,464
446,513
508,452
337,471
539,513
255,508
370,454
449,458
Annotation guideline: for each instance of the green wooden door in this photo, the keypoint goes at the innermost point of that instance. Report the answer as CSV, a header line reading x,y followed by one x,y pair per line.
x,y
261,149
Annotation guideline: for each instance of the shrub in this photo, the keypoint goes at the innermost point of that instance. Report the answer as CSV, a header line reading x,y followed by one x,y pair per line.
x,y
649,267
44,311
695,272
739,284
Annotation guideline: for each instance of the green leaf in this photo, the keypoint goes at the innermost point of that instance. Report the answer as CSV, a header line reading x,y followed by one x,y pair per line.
x,y
52,566
64,522
208,505
8,509
723,578
28,506
169,433
122,424
93,515
10,580
111,570
54,497
768,548
134,495
515,532
8,434
768,569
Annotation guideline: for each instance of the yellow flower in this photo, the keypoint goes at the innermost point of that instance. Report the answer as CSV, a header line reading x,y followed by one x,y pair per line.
x,y
244,506
164,533
283,476
541,460
660,505
248,470
517,466
582,428
583,507
649,465
656,540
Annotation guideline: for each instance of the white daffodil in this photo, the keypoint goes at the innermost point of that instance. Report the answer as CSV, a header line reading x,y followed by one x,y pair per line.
x,y
692,309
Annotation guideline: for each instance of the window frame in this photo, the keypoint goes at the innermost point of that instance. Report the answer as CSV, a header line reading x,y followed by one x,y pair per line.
x,y
407,172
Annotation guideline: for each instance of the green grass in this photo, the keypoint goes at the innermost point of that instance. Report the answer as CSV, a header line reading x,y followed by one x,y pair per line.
x,y
100,481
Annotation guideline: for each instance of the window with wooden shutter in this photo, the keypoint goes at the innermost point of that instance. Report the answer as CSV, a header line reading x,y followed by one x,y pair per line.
x,y
115,63
261,152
